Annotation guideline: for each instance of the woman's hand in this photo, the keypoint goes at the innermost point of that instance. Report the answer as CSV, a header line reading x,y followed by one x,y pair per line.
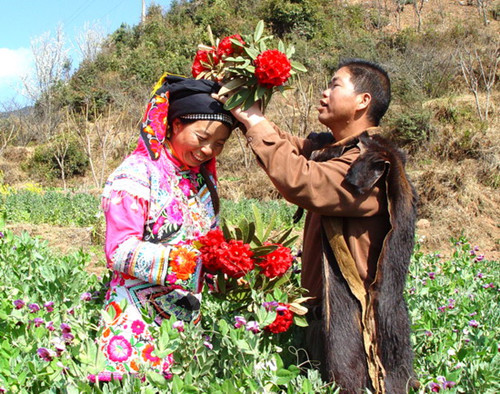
x,y
248,118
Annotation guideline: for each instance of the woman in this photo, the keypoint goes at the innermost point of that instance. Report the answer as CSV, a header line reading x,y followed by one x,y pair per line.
x,y
159,200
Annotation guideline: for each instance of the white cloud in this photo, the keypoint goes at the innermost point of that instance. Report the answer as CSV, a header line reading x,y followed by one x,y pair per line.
x,y
14,63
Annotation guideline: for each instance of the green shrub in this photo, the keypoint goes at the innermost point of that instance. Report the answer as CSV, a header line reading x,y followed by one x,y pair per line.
x,y
44,162
410,128
51,207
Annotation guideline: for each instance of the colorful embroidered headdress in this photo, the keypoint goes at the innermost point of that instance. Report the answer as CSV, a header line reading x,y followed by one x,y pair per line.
x,y
178,97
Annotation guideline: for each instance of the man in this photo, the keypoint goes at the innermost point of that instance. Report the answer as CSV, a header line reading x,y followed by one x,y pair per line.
x,y
359,229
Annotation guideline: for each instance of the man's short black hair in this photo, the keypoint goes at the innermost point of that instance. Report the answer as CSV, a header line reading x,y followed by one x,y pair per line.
x,y
369,77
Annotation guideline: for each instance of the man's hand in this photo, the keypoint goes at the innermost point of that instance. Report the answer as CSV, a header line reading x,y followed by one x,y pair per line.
x,y
248,118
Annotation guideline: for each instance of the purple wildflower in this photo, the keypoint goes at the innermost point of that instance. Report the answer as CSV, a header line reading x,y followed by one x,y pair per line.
x,y
442,308
38,321
86,296
432,275
474,323
480,275
240,321
46,354
68,337
208,345
252,326
49,306
472,314
65,328
33,308
91,378
269,306
412,290
448,384
489,286
428,333
451,303
479,257
18,304
50,326
434,387
168,375
178,325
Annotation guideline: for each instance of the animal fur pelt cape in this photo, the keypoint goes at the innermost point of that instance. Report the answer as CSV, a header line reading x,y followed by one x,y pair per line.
x,y
367,332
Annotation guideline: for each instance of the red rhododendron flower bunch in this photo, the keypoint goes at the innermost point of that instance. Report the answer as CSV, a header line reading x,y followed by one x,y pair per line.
x,y
272,68
277,262
227,48
233,257
204,60
283,321
246,69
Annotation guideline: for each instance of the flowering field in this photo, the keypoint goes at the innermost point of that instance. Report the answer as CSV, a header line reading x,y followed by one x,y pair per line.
x,y
50,308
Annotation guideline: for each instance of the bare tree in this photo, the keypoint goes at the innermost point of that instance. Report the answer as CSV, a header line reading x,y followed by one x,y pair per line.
x,y
60,149
51,66
8,132
90,41
51,62
418,5
482,8
479,69
98,138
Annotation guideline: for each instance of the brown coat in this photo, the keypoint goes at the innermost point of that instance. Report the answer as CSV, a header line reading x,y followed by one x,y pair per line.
x,y
320,188
358,239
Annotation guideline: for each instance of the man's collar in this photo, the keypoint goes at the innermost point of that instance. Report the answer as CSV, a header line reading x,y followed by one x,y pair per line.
x,y
346,141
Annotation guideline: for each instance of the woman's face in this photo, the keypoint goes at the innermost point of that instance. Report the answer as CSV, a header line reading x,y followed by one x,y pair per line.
x,y
197,142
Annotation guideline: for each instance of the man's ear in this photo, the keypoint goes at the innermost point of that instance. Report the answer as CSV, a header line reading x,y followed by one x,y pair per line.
x,y
364,100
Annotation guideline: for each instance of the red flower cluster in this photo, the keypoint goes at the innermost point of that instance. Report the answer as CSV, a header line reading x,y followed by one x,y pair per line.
x,y
272,68
233,258
283,321
277,262
226,47
209,57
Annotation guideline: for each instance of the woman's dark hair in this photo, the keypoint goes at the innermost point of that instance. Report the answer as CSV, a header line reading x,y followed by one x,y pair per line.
x,y
369,77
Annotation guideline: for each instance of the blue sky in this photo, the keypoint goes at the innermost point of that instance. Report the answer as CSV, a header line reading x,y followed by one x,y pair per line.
x,y
23,20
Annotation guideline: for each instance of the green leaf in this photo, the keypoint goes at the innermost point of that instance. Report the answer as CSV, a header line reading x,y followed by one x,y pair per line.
x,y
225,230
250,233
290,241
298,66
253,53
259,29
281,46
236,42
258,221
231,86
210,35
237,99
259,92
300,321
263,250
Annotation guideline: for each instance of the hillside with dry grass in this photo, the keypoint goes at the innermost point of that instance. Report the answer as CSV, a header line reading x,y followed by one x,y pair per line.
x,y
434,51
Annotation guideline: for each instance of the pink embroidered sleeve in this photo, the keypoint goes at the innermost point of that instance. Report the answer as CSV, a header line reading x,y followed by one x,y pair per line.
x,y
128,253
125,218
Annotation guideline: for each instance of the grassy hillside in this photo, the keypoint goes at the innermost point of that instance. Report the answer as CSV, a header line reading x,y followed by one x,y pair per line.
x,y
435,54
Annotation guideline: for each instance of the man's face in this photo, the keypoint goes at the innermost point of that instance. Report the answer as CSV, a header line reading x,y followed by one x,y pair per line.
x,y
339,103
